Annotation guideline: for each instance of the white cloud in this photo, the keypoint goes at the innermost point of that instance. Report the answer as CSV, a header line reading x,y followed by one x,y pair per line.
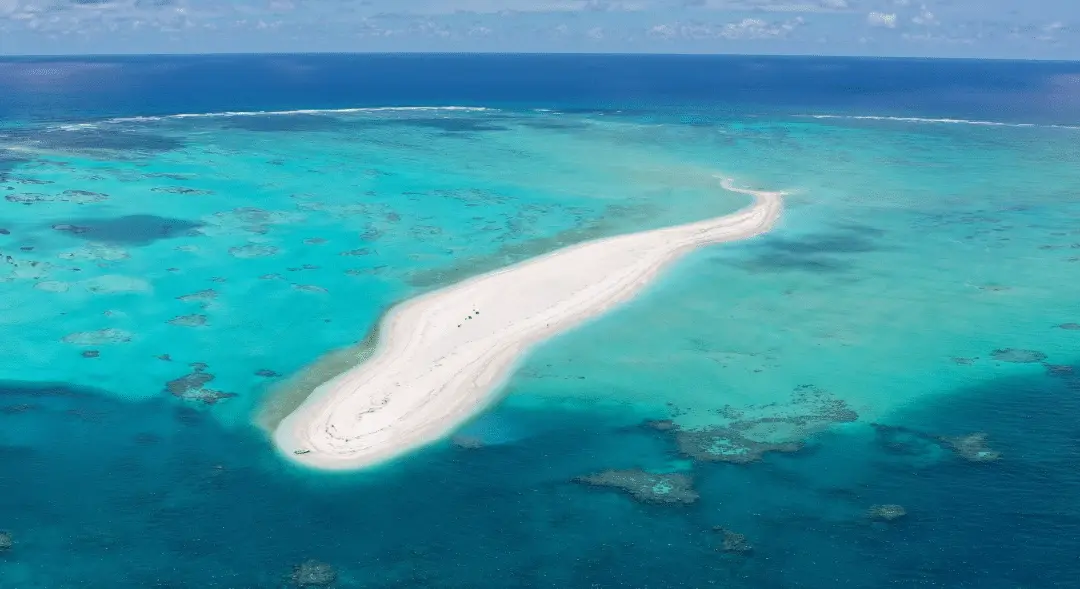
x,y
663,32
882,19
772,5
925,18
1050,31
747,28
755,28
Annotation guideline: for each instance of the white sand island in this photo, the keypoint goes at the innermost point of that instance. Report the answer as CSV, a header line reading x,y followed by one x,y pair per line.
x,y
442,356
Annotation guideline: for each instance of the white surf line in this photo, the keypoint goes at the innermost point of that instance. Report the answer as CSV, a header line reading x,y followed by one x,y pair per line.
x,y
941,121
442,355
265,113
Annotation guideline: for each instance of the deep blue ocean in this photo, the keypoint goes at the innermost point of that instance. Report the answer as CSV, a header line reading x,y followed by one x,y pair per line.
x,y
882,392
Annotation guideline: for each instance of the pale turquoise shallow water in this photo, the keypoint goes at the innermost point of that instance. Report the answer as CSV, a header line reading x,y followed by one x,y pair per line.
x,y
908,254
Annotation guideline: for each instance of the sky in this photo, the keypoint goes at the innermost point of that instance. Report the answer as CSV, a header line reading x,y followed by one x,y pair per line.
x,y
1031,29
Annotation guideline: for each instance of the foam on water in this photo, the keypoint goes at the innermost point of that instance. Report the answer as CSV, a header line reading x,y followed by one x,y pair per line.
x,y
944,121
258,113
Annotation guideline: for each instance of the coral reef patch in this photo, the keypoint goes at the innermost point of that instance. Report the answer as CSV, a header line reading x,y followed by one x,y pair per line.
x,y
754,431
312,573
646,487
192,386
1017,356
886,513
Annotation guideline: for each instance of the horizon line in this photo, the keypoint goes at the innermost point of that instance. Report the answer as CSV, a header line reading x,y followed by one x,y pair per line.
x,y
8,57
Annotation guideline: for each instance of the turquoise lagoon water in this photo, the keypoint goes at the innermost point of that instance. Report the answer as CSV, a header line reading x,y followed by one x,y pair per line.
x,y
918,288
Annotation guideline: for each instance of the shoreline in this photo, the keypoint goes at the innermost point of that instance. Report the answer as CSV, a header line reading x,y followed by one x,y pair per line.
x,y
443,354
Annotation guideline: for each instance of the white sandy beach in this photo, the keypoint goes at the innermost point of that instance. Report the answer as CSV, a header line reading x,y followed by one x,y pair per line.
x,y
443,355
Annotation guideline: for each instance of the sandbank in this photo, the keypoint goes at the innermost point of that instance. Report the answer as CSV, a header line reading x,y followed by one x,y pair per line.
x,y
442,356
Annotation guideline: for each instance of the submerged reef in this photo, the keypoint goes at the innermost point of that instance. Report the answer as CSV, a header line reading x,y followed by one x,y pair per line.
x,y
95,251
129,229
728,444
113,284
1018,356
203,296
72,196
972,447
646,487
754,431
1070,326
253,251
886,513
1064,370
732,541
660,425
191,387
193,320
466,442
181,190
102,336
6,541
252,220
902,440
312,573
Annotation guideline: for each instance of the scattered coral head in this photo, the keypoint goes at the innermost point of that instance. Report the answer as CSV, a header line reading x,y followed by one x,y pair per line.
x,y
886,513
733,541
191,387
972,447
312,573
646,487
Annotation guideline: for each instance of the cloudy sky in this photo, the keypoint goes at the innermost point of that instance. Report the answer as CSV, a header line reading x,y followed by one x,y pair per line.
x,y
1043,29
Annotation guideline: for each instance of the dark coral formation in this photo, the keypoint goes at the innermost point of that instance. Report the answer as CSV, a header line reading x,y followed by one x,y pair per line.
x,y
467,442
312,573
202,296
728,444
660,425
886,513
193,320
972,447
1018,356
733,541
902,440
91,354
83,196
6,541
265,373
667,488
906,442
191,387
747,439
253,251
102,336
129,229
182,190
27,198
72,196
1059,370
1070,326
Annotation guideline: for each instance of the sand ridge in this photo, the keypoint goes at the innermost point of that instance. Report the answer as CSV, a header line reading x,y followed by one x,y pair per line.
x,y
443,355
